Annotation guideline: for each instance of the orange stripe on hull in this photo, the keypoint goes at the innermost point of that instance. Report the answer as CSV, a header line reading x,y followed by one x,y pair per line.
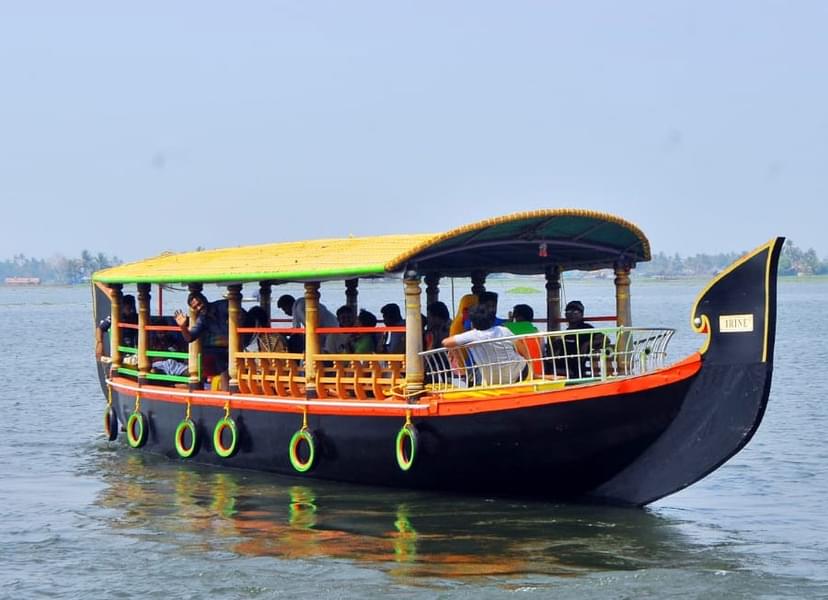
x,y
431,406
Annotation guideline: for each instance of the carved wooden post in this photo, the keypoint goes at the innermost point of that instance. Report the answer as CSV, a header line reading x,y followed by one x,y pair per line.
x,y
553,298
478,279
413,338
194,347
116,296
623,313
264,298
432,281
623,309
143,335
352,294
234,297
311,338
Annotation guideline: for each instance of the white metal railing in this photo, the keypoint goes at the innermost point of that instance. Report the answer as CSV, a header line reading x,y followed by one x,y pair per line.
x,y
576,356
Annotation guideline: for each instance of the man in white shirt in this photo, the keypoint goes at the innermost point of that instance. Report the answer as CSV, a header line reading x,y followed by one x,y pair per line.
x,y
495,362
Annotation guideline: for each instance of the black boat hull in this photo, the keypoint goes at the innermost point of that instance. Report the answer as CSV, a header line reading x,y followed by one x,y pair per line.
x,y
559,450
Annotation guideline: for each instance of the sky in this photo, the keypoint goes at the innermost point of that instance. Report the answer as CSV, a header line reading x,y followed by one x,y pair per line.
x,y
137,128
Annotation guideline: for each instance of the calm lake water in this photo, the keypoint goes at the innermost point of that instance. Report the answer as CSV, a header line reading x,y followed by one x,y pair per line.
x,y
81,517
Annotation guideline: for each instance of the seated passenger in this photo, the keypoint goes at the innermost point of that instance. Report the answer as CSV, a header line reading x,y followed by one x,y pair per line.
x,y
295,341
169,366
295,307
437,325
497,362
129,337
341,343
365,343
392,342
530,348
572,353
521,322
262,342
461,318
489,300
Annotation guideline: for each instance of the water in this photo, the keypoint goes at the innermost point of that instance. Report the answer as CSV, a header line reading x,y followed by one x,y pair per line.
x,y
84,518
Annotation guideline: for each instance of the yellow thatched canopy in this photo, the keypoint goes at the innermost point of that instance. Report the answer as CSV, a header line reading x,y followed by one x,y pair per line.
x,y
525,242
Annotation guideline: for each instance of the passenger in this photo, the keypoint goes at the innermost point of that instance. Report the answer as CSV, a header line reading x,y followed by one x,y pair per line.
x,y
489,300
462,315
392,342
263,342
170,366
342,343
437,325
211,327
285,304
295,341
521,321
530,348
365,343
572,352
129,337
497,362
295,308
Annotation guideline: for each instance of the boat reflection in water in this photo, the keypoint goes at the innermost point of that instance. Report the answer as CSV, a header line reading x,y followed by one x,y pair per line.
x,y
405,533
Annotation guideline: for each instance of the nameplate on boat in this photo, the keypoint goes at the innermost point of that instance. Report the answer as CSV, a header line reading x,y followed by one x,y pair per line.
x,y
735,323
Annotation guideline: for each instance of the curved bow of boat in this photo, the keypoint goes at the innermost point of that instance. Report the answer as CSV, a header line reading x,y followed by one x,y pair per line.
x,y
726,401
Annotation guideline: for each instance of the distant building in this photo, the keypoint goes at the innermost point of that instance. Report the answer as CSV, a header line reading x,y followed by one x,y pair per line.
x,y
22,281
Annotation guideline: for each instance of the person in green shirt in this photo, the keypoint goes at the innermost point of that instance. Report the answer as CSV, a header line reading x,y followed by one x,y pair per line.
x,y
365,343
521,324
521,321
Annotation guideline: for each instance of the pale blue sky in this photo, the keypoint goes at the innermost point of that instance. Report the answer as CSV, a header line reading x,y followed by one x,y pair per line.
x,y
133,129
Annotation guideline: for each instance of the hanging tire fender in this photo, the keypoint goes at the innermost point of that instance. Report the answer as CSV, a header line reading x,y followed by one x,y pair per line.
x,y
303,435
406,446
110,423
181,448
137,429
225,451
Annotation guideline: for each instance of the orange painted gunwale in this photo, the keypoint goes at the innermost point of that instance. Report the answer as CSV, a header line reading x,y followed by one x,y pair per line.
x,y
432,405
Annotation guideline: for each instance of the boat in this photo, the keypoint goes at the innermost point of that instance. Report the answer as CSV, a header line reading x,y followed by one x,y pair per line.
x,y
22,281
610,418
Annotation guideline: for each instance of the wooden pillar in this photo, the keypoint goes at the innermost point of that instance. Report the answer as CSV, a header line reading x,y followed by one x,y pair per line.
x,y
478,279
143,335
553,298
116,297
194,347
311,339
352,294
623,314
413,338
234,298
623,310
432,281
264,298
